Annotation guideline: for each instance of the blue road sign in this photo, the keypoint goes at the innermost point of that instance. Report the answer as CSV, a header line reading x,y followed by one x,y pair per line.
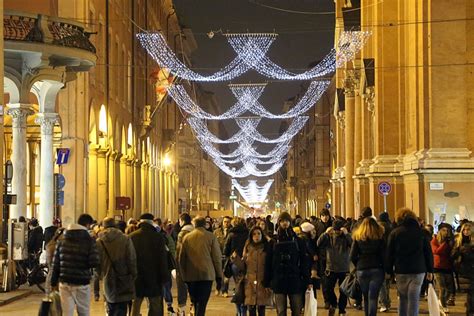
x,y
60,181
384,188
327,205
62,156
60,198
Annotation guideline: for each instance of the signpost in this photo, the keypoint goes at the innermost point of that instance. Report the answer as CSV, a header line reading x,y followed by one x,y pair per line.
x,y
384,189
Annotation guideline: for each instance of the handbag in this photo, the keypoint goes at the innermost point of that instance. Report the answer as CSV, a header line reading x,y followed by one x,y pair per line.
x,y
350,286
228,268
310,304
239,296
433,305
124,280
51,305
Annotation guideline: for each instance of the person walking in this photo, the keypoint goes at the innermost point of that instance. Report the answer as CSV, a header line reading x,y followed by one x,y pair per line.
x,y
384,295
35,242
200,264
221,234
463,255
49,250
51,230
289,269
321,226
74,258
442,245
185,228
152,266
257,291
409,255
117,269
367,254
336,241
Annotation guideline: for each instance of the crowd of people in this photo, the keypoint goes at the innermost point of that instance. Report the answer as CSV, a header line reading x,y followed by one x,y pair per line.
x,y
258,262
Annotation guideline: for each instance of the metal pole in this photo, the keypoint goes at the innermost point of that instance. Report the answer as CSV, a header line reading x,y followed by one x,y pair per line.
x,y
385,202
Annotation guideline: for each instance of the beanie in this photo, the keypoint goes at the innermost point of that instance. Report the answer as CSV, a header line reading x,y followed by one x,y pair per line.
x,y
284,216
366,211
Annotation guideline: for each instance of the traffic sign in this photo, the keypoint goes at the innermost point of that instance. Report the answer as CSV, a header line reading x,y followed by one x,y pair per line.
x,y
60,181
327,205
384,188
233,197
60,198
62,156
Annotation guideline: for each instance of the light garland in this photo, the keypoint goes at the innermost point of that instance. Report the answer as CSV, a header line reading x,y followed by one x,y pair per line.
x,y
248,128
253,193
251,52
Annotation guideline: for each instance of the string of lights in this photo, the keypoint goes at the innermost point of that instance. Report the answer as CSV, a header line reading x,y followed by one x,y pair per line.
x,y
252,192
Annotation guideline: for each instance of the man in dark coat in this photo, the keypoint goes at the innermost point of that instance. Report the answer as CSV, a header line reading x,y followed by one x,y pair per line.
x,y
74,258
152,266
35,237
288,268
321,226
51,230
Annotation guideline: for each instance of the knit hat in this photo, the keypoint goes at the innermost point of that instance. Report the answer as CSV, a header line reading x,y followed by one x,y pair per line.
x,y
384,217
306,227
108,222
147,216
284,216
337,224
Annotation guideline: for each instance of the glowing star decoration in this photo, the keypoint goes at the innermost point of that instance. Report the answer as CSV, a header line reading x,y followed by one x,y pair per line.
x,y
247,96
253,193
248,127
251,50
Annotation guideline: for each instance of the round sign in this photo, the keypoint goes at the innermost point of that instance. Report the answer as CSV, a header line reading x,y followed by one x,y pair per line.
x,y
385,188
60,181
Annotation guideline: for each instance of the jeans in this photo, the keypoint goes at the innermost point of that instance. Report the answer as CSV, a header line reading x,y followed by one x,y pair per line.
x,y
296,304
408,287
241,309
78,296
117,309
333,278
254,309
384,295
155,306
167,293
370,281
445,283
200,291
182,291
225,281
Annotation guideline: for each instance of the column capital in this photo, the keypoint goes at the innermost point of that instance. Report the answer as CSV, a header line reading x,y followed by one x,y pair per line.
x,y
47,122
19,113
341,119
351,82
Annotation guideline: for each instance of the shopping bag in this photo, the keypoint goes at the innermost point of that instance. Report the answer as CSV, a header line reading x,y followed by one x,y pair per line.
x,y
350,286
51,305
433,305
310,304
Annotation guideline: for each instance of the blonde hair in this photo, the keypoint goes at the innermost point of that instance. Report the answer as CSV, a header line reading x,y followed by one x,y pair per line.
x,y
442,234
458,241
403,213
369,229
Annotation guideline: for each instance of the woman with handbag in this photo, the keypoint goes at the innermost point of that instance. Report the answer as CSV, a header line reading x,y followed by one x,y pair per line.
x,y
257,294
463,255
367,255
442,246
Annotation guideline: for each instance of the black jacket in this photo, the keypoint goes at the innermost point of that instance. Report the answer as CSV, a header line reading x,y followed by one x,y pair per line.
x,y
236,239
408,249
287,264
49,234
35,239
75,256
368,254
337,249
152,261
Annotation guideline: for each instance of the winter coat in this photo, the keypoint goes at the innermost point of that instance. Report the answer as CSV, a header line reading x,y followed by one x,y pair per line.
x,y
408,249
49,234
238,235
464,258
200,257
256,278
35,239
118,265
368,254
442,255
75,256
152,261
287,264
221,235
337,250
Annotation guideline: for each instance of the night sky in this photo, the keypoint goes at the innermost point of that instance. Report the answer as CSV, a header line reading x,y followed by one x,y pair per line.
x,y
302,39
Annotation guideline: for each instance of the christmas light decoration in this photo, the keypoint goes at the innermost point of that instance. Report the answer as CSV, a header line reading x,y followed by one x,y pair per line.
x,y
251,52
248,127
253,193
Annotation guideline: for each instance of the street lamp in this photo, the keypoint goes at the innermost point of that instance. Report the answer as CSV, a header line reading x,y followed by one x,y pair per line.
x,y
167,160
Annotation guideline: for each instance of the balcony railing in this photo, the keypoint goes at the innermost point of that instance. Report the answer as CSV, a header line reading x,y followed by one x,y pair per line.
x,y
45,29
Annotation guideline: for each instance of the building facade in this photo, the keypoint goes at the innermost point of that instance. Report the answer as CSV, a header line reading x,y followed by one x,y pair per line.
x,y
403,108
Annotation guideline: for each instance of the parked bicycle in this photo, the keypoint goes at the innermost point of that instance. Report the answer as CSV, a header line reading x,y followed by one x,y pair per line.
x,y
31,271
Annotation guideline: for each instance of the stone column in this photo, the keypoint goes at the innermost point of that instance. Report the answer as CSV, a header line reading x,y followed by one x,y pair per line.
x,y
111,182
19,114
46,211
101,183
123,176
137,194
92,182
350,84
